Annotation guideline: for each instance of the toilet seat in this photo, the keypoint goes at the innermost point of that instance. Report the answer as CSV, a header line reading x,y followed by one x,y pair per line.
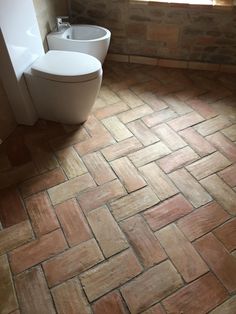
x,y
66,66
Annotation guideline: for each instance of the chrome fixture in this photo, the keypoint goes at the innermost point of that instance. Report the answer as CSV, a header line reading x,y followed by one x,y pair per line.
x,y
62,22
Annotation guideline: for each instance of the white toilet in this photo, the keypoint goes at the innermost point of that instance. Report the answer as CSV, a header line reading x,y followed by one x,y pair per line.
x,y
64,85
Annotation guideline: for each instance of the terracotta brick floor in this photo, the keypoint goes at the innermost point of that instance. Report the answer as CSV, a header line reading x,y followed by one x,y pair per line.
x,y
134,211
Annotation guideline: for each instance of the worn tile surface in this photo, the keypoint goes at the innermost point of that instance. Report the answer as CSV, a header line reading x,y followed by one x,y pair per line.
x,y
131,212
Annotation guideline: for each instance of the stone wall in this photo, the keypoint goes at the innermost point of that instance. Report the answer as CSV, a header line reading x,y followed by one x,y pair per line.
x,y
7,120
182,32
46,12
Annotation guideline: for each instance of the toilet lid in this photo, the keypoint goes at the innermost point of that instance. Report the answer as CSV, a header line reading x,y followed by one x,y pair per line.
x,y
66,66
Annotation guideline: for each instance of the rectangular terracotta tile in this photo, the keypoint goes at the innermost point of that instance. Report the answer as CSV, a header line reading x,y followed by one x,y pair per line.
x,y
135,113
224,145
142,132
191,189
98,196
11,207
71,163
182,253
177,105
153,101
37,251
202,220
17,174
143,241
110,303
73,222
228,175
185,121
14,236
133,203
70,188
221,192
177,159
72,262
148,154
205,110
168,211
130,98
94,144
201,146
159,117
42,182
158,180
8,301
198,297
151,286
98,281
213,125
150,85
169,137
99,168
33,293
121,149
108,111
128,174
42,215
155,309
118,130
72,138
111,239
108,96
208,165
219,260
230,132
94,126
227,307
227,234
69,298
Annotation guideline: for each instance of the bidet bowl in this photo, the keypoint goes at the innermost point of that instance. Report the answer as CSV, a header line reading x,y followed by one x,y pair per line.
x,y
91,39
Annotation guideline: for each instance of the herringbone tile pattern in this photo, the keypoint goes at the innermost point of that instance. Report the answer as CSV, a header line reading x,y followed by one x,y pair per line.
x,y
132,212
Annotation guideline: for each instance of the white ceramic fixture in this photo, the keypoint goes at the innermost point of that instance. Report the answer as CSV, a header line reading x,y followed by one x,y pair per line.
x,y
91,39
64,85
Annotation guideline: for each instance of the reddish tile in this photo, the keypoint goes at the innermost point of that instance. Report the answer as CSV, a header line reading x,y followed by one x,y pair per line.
x,y
73,222
42,214
155,309
33,292
201,146
37,251
42,182
177,159
11,207
143,241
98,196
159,117
98,281
185,121
110,303
17,151
99,168
199,297
108,111
227,234
14,236
151,286
224,145
229,175
142,132
72,262
153,101
213,125
111,239
228,307
135,113
128,174
219,260
167,212
202,220
69,298
202,108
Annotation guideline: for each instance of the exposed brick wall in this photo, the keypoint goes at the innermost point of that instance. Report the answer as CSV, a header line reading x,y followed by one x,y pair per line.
x,y
204,34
